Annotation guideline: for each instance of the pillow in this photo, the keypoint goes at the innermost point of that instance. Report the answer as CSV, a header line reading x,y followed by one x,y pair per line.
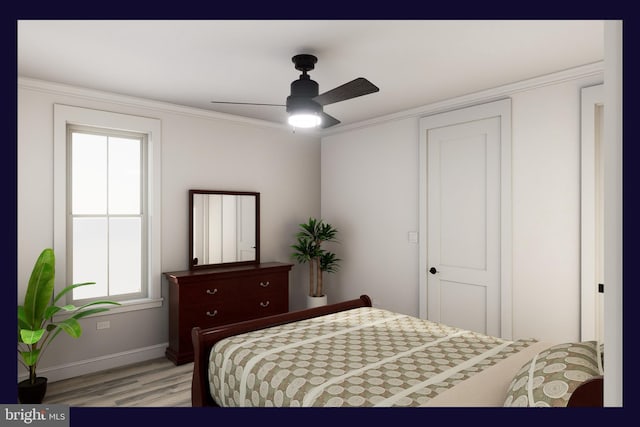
x,y
551,376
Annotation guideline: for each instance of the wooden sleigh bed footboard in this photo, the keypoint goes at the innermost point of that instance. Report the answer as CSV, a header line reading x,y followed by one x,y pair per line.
x,y
205,339
490,363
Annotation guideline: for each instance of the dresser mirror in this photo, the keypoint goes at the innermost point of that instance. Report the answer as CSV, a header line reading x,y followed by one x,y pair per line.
x,y
224,228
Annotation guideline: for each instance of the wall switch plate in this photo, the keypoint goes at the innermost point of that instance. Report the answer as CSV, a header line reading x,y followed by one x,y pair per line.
x,y
413,237
103,325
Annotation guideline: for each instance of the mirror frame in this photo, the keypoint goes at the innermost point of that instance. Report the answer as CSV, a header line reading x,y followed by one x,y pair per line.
x,y
256,261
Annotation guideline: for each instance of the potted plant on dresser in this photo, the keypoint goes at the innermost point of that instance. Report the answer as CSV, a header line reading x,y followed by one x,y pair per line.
x,y
308,249
36,325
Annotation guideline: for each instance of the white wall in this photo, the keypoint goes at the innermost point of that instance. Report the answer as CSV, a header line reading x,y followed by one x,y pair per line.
x,y
613,214
199,150
370,192
546,212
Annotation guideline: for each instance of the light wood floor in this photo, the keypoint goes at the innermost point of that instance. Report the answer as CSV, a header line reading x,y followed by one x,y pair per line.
x,y
154,383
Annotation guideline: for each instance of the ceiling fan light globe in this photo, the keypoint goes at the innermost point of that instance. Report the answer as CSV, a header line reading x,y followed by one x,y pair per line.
x,y
305,120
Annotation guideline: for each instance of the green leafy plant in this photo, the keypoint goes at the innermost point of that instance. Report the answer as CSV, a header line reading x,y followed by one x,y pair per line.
x,y
308,249
36,327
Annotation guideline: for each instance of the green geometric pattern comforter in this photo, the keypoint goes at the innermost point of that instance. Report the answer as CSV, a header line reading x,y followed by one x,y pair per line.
x,y
361,357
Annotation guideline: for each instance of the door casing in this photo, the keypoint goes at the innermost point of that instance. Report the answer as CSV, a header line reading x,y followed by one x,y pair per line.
x,y
591,215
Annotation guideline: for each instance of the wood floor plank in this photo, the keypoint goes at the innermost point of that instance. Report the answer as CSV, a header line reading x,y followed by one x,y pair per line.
x,y
153,383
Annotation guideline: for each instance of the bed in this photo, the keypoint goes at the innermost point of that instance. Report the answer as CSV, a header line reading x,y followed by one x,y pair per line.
x,y
351,354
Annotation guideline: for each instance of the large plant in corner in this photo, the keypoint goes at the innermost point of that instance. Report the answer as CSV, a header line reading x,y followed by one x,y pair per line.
x,y
36,325
308,249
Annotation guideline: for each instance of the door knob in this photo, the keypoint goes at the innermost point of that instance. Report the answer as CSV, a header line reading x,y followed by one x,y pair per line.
x,y
433,270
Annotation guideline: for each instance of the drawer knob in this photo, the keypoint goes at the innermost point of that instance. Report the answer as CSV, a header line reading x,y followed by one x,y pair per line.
x,y
264,285
264,304
212,292
210,314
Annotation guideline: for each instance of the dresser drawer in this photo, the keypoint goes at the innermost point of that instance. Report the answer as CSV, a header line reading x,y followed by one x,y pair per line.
x,y
265,305
265,281
228,291
209,291
206,316
263,286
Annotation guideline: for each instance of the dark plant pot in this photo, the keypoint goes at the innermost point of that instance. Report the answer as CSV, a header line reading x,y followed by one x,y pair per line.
x,y
32,393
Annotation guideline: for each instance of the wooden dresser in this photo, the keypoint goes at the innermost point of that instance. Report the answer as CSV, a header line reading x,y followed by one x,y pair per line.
x,y
221,295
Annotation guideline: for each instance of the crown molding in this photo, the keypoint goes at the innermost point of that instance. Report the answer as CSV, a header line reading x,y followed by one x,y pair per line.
x,y
132,101
595,69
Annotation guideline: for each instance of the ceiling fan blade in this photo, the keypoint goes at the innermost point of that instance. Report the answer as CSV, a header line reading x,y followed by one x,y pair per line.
x,y
247,103
352,89
328,121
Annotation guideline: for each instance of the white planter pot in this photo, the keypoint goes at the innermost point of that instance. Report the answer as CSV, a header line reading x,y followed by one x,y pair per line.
x,y
316,301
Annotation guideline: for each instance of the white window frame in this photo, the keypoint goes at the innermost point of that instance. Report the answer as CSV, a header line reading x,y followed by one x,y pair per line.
x,y
65,115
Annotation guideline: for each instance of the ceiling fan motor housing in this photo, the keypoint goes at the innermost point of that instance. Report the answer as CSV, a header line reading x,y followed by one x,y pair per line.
x,y
303,89
302,92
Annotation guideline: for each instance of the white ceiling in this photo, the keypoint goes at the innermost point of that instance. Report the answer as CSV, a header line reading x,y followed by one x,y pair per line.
x,y
194,62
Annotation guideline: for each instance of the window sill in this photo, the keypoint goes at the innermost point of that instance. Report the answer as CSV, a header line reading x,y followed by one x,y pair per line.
x,y
131,305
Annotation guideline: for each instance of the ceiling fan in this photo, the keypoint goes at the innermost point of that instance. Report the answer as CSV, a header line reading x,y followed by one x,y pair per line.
x,y
304,104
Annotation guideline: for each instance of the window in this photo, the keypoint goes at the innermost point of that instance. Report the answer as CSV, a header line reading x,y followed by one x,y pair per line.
x,y
106,188
106,183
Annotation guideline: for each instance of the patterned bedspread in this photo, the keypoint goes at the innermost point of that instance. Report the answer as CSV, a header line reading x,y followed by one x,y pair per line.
x,y
361,357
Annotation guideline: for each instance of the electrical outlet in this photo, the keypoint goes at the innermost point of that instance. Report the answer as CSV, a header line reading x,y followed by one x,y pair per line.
x,y
103,325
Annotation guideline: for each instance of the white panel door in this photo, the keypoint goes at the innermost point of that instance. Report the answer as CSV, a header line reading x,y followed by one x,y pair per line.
x,y
464,225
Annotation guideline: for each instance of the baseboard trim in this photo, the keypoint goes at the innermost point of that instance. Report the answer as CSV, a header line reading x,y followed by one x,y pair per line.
x,y
89,366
